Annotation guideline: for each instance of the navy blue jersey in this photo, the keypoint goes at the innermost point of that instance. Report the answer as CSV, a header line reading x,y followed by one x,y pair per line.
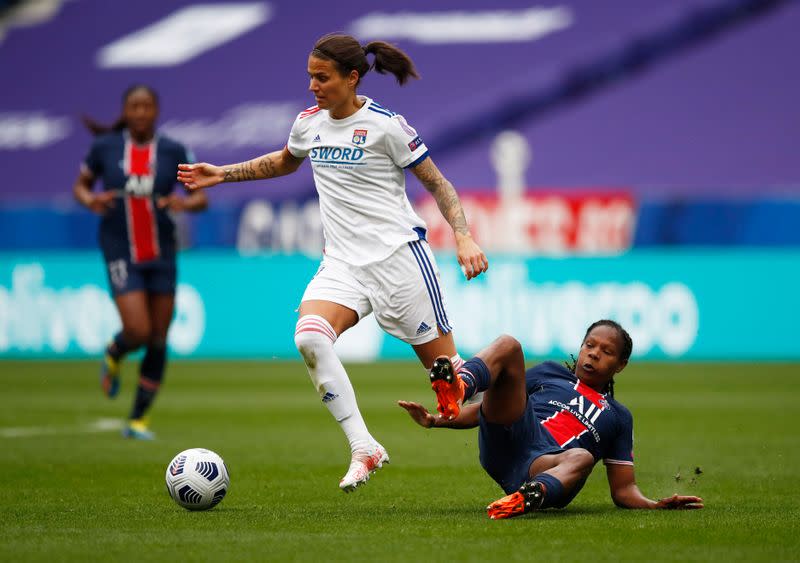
x,y
135,228
577,416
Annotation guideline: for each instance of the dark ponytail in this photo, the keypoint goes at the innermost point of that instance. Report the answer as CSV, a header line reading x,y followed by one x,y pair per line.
x,y
389,58
348,55
97,128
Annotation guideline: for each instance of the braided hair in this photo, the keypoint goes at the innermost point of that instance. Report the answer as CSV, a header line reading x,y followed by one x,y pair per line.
x,y
624,354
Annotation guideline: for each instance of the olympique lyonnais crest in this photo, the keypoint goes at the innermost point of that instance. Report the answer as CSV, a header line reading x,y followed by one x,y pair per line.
x,y
359,136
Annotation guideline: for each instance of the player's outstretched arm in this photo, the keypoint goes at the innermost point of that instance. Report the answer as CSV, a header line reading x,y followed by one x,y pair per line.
x,y
470,256
467,418
271,165
626,493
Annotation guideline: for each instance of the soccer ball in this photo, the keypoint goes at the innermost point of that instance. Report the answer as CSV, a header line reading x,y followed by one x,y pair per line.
x,y
197,479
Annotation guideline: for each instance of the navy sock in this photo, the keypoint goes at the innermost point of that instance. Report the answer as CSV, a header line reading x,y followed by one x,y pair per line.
x,y
152,372
554,491
119,347
476,376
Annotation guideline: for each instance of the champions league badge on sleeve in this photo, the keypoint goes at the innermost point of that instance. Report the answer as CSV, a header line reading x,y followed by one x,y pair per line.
x,y
359,136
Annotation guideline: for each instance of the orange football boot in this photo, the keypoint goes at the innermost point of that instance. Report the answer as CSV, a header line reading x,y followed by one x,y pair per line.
x,y
528,497
448,386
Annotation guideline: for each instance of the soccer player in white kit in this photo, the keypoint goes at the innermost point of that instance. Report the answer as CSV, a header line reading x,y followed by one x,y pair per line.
x,y
376,256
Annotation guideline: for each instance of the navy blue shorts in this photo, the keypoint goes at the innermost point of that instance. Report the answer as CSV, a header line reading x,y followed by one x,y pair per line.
x,y
156,276
506,452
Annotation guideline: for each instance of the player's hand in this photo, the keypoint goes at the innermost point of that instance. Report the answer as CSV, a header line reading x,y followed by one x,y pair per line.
x,y
200,175
418,414
679,502
172,202
101,202
470,256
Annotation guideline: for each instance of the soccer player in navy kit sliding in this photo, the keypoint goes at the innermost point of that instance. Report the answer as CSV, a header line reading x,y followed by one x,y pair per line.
x,y
542,431
137,238
376,256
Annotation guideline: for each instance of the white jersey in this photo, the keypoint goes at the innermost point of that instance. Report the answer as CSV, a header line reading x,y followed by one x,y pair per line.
x,y
358,167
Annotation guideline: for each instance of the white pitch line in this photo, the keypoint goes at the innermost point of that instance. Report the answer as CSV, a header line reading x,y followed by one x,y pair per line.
x,y
99,425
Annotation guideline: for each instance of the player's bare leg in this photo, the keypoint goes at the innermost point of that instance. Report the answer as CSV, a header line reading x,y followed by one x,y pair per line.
x,y
133,313
505,400
338,316
320,324
443,345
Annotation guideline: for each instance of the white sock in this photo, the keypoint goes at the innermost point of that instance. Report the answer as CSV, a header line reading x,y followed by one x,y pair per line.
x,y
457,362
314,338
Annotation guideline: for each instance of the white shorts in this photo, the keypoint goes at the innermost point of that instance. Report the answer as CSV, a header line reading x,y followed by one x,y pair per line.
x,y
403,291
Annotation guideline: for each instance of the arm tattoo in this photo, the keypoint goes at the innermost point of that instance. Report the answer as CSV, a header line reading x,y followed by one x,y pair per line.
x,y
266,167
229,177
256,169
445,195
240,172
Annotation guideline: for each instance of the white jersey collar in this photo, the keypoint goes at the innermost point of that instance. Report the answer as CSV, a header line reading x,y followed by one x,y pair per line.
x,y
351,118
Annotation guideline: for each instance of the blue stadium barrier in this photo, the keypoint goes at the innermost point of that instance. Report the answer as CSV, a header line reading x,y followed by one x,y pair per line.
x,y
769,222
677,305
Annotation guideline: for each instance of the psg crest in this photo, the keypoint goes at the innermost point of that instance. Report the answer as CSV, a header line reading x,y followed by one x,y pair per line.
x,y
359,136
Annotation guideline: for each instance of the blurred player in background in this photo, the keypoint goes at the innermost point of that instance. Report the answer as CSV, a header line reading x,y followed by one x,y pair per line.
x,y
137,238
377,258
542,431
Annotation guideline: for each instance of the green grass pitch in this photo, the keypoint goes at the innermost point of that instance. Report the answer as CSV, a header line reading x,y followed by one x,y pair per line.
x,y
72,491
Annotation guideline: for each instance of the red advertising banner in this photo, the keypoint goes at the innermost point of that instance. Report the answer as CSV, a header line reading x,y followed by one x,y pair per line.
x,y
581,221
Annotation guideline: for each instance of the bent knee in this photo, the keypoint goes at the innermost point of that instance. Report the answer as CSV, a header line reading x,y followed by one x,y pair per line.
x,y
308,339
312,334
509,342
137,334
580,458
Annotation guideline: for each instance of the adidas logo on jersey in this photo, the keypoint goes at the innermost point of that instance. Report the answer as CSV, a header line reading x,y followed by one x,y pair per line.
x,y
317,139
423,328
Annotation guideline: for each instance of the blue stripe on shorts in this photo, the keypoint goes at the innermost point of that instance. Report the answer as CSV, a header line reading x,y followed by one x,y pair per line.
x,y
429,275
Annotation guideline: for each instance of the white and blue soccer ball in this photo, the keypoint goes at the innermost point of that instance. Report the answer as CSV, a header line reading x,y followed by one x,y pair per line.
x,y
197,479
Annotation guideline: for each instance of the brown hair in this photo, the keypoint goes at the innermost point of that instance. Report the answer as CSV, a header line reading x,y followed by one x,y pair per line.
x,y
349,55
97,128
